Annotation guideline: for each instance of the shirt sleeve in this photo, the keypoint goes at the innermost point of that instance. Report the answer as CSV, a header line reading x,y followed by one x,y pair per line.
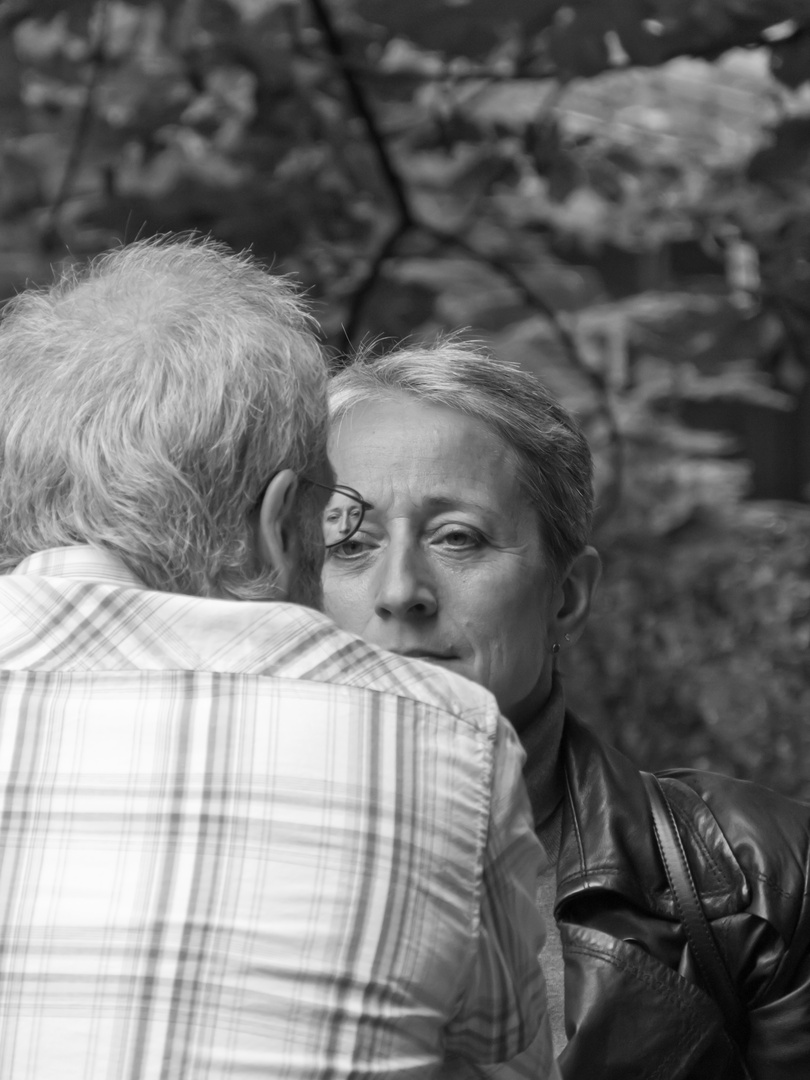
x,y
502,1017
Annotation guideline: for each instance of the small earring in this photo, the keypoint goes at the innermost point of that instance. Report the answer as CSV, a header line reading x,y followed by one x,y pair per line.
x,y
567,637
555,648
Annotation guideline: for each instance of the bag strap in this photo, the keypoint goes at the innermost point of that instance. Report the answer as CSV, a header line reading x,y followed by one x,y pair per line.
x,y
696,926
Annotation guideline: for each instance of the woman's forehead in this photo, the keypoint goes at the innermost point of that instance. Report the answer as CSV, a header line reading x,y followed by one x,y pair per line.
x,y
398,412
438,454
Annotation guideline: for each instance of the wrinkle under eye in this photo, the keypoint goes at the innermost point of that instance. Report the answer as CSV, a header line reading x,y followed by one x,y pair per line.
x,y
349,551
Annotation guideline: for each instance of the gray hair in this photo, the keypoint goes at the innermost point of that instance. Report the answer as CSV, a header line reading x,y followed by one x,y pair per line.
x,y
554,463
145,402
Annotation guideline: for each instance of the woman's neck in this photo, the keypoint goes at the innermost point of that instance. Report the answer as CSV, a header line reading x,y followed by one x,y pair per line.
x,y
542,741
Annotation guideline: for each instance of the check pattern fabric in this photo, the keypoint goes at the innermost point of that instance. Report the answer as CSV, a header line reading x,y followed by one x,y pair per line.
x,y
237,842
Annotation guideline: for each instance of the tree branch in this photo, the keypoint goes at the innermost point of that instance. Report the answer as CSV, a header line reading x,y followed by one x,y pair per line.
x,y
363,109
408,222
363,290
396,184
51,232
449,74
595,378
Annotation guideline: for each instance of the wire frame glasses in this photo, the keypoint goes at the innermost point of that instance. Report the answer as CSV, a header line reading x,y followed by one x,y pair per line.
x,y
343,514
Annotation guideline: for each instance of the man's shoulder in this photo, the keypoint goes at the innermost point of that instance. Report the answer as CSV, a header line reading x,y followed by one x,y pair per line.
x,y
336,657
133,628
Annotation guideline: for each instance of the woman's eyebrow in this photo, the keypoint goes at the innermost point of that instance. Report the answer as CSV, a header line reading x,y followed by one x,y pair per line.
x,y
455,502
435,503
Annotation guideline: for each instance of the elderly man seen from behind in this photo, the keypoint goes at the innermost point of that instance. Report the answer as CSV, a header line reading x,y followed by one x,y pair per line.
x,y
235,840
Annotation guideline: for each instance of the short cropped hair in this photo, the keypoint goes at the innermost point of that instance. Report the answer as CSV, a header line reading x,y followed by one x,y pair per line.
x,y
145,402
553,459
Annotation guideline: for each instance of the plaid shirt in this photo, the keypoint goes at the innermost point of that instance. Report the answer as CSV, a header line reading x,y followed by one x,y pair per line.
x,y
239,842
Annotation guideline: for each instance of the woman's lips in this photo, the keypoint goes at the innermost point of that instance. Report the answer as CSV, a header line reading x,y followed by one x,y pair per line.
x,y
425,654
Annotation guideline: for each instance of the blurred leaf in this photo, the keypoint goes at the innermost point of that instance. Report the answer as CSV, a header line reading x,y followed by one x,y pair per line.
x,y
702,663
76,13
12,112
130,100
790,60
785,269
785,163
578,45
19,183
564,176
460,28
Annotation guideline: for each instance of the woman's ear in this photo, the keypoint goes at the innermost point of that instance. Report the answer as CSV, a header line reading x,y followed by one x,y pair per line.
x,y
276,528
578,588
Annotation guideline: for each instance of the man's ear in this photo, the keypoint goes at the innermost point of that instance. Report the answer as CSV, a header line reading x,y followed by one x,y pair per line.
x,y
276,528
577,590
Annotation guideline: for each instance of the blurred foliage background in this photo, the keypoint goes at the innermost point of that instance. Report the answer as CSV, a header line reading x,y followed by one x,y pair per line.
x,y
615,193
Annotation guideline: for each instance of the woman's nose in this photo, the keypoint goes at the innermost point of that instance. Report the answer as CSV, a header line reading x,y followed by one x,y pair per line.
x,y
404,587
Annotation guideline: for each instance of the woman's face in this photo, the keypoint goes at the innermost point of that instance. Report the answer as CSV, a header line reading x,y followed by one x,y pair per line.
x,y
449,565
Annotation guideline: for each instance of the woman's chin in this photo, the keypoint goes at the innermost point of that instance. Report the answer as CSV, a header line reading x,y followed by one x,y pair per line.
x,y
452,663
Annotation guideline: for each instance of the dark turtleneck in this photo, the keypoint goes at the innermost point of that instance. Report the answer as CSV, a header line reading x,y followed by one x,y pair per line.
x,y
542,739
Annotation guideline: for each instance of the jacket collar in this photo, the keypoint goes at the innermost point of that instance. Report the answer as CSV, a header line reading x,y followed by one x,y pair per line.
x,y
607,840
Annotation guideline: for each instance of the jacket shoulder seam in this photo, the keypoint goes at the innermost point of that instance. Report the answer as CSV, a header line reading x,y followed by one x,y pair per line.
x,y
722,880
772,885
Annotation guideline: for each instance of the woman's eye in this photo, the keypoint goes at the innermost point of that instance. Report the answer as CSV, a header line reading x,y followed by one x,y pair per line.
x,y
458,539
349,549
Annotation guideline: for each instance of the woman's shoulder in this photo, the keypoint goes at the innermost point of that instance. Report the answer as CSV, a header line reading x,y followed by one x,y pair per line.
x,y
743,806
766,833
746,843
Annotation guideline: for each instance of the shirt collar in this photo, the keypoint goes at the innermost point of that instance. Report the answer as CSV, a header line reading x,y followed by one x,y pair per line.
x,y
81,562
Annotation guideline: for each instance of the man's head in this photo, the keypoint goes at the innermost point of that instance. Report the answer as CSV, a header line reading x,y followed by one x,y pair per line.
x,y
161,404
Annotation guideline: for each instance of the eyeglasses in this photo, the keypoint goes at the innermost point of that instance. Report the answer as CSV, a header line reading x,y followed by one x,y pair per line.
x,y
343,514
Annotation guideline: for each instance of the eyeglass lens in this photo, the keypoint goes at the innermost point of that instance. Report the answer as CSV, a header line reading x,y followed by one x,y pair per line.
x,y
341,518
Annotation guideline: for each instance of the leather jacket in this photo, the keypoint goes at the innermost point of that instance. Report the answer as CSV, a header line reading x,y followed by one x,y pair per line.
x,y
634,1006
